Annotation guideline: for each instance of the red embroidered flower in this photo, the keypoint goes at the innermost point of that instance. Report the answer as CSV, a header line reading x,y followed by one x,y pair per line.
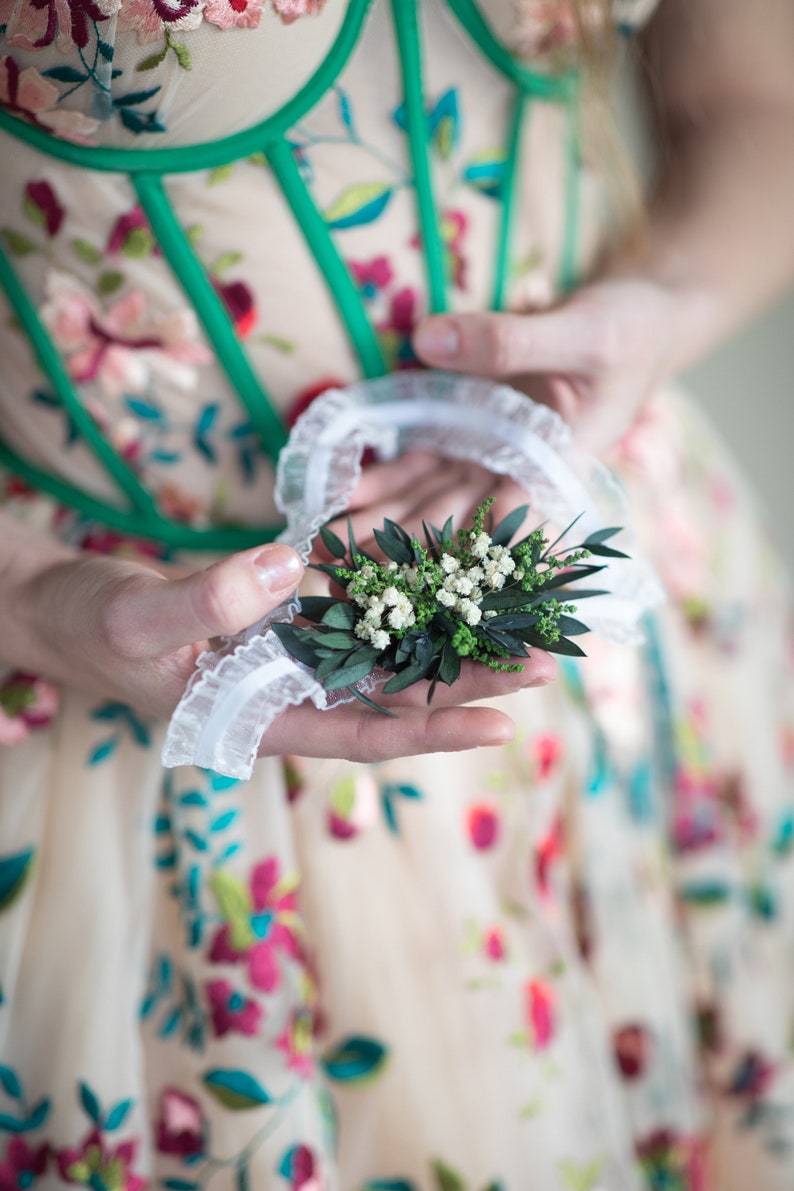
x,y
633,1045
42,201
180,1127
540,1002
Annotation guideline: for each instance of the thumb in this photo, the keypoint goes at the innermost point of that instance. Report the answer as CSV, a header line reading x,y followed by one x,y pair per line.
x,y
163,615
504,344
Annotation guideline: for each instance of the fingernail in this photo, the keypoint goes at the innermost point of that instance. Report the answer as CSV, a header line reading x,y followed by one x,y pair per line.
x,y
438,339
279,567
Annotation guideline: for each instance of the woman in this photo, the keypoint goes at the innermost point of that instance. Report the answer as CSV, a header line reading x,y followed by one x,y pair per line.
x,y
471,965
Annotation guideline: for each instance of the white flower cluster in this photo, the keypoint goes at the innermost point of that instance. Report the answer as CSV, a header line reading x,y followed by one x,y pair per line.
x,y
391,607
464,587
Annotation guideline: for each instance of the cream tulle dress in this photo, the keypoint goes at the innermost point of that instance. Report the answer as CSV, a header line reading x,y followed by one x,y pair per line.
x,y
562,964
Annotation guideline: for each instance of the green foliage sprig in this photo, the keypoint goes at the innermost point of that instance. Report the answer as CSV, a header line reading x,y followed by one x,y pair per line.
x,y
464,594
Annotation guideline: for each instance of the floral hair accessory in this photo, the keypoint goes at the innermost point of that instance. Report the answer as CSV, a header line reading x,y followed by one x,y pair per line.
x,y
468,594
237,691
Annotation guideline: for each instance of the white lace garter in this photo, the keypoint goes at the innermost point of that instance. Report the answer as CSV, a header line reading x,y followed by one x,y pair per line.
x,y
237,692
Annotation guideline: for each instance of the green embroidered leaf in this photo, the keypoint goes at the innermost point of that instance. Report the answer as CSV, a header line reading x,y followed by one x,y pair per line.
x,y
355,1060
182,55
109,282
17,243
235,903
138,243
358,205
581,1178
221,173
446,1178
342,797
286,346
152,62
225,261
86,251
235,1089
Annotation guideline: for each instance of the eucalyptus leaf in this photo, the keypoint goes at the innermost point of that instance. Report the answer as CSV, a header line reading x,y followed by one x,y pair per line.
x,y
340,615
509,526
570,627
371,703
600,535
315,607
305,651
334,545
359,666
393,547
405,678
449,670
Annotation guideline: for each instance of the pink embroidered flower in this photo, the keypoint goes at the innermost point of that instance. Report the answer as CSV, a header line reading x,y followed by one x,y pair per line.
x,y
290,10
299,1166
259,923
543,27
33,24
231,1011
297,1042
548,849
98,1166
540,1013
150,18
26,94
246,14
179,505
180,1127
493,944
371,276
546,751
26,703
123,349
482,824
22,1164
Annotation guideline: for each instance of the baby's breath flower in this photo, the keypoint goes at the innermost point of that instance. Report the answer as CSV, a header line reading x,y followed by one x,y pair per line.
x,y
446,598
481,545
381,639
449,564
469,611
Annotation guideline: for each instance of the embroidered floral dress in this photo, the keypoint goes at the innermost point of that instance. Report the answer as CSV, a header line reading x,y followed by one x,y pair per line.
x,y
566,963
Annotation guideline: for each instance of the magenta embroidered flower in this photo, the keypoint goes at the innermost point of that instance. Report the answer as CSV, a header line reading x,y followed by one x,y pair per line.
x,y
32,24
26,94
180,1127
238,299
42,203
546,751
22,1164
291,10
395,332
26,703
231,1011
540,1013
227,13
122,349
482,824
633,1046
98,1166
371,276
260,922
297,1042
493,944
299,1166
151,18
131,234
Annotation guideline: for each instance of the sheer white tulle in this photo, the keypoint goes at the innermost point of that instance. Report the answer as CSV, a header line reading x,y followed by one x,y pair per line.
x,y
237,692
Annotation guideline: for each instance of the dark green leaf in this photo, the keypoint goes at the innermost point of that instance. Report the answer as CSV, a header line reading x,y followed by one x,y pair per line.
x,y
514,644
569,648
315,607
359,666
449,670
371,703
607,552
571,575
354,550
560,536
331,664
509,526
508,597
334,545
305,651
393,548
601,535
508,624
407,677
338,639
340,616
570,627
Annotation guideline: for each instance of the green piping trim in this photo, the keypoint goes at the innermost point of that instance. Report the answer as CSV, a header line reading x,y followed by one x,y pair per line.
x,y
570,236
181,159
540,86
407,30
170,533
191,275
508,198
337,277
52,365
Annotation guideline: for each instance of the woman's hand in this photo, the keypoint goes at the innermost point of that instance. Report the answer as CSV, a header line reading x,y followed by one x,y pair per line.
x,y
594,358
119,629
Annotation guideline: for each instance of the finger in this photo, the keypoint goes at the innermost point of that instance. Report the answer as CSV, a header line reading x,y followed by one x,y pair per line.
x,y
359,734
152,617
502,345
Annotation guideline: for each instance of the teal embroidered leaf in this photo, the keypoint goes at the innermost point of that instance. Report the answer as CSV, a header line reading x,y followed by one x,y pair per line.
x,y
11,1124
180,1185
9,1080
65,74
358,205
705,893
117,1115
444,124
38,1115
355,1059
105,49
103,751
144,409
235,1089
193,798
345,111
389,1185
90,1104
223,821
14,872
783,837
134,98
485,173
